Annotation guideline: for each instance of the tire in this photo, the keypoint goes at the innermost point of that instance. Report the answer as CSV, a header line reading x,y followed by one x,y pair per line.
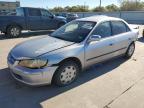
x,y
66,73
143,33
130,50
4,32
13,31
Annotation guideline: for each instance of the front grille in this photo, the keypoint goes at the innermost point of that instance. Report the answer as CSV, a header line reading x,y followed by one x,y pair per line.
x,y
11,59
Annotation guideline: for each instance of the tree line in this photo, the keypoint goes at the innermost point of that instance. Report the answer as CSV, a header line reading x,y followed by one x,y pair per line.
x,y
125,5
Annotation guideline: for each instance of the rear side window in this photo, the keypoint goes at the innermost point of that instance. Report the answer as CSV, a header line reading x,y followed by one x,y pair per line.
x,y
119,27
19,12
34,12
103,30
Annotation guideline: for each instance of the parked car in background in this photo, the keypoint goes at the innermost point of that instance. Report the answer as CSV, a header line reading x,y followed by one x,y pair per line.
x,y
68,16
29,19
61,14
71,16
12,13
3,13
61,56
135,27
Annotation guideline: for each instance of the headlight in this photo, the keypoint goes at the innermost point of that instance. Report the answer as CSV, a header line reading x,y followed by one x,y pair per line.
x,y
33,63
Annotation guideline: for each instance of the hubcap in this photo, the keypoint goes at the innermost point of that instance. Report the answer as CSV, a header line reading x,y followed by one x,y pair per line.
x,y
68,75
131,50
15,31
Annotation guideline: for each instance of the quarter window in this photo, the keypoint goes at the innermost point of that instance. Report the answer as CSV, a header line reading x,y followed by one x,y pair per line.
x,y
19,12
119,27
103,30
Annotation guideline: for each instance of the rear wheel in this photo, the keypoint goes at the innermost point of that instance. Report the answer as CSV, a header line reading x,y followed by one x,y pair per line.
x,y
66,73
143,33
130,50
13,31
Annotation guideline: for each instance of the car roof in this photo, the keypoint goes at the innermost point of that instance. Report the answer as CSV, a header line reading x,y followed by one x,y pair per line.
x,y
31,7
98,18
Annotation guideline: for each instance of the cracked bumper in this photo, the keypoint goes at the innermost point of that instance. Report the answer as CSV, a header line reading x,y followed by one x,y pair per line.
x,y
32,76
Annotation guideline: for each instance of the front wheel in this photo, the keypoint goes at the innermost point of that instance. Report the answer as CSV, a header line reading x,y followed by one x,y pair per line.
x,y
66,73
13,31
130,50
4,32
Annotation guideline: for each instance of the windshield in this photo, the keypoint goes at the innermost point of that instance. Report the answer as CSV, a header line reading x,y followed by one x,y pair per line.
x,y
76,31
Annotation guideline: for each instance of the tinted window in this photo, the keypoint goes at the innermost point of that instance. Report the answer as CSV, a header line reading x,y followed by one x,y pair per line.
x,y
19,12
45,13
118,27
34,12
103,30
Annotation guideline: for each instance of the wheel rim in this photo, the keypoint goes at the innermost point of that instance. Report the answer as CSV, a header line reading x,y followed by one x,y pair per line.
x,y
68,74
15,31
131,50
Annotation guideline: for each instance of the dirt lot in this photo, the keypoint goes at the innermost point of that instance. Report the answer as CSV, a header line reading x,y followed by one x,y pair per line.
x,y
118,83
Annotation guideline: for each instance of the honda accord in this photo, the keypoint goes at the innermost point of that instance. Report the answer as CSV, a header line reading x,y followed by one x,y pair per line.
x,y
62,55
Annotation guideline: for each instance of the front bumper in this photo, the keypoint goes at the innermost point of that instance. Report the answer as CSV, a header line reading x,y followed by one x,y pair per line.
x,y
32,76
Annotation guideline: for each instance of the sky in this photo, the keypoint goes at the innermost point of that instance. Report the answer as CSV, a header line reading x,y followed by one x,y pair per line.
x,y
63,3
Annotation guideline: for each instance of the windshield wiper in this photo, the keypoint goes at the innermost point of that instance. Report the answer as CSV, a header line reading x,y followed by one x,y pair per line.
x,y
61,38
58,37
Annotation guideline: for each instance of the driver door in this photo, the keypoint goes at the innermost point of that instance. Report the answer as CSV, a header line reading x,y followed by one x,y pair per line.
x,y
47,20
101,50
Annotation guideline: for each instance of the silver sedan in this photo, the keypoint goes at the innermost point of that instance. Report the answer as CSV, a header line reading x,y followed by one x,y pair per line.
x,y
61,56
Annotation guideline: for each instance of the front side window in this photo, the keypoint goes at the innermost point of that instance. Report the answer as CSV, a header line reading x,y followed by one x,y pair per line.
x,y
118,27
75,31
45,13
103,30
34,12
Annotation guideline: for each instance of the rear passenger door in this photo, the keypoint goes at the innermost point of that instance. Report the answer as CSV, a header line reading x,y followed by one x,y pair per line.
x,y
34,19
122,36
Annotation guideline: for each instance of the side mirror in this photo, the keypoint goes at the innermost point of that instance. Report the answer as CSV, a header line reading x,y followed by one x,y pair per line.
x,y
52,16
94,38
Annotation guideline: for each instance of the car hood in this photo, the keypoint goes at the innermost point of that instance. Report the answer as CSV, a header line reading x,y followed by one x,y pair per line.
x,y
37,47
60,17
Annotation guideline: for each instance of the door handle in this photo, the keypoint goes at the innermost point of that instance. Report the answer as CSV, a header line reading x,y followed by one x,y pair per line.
x,y
111,44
